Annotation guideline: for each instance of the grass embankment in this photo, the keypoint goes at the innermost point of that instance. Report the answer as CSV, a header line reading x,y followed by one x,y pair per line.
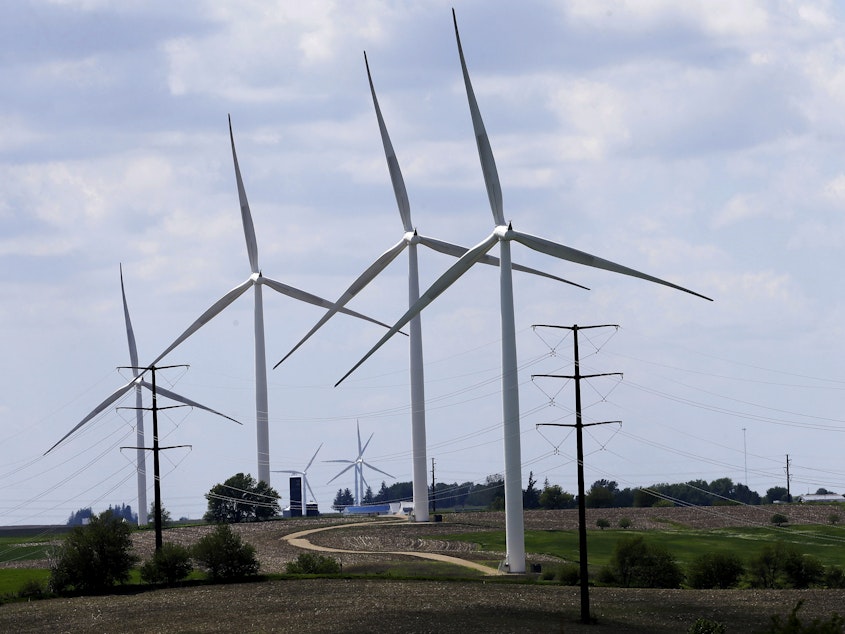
x,y
824,542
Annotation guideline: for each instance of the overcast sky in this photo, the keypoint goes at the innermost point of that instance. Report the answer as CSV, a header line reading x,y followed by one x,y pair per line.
x,y
700,142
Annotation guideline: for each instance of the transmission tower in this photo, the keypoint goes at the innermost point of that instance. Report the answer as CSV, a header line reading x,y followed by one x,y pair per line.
x,y
579,426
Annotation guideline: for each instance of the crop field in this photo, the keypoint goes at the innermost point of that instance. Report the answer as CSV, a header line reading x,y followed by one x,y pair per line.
x,y
384,587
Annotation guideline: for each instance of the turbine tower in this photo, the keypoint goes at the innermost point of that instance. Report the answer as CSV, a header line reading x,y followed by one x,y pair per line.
x,y
305,486
410,240
502,235
358,464
256,281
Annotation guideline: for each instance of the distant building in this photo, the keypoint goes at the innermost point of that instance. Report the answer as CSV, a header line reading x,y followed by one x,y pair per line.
x,y
818,497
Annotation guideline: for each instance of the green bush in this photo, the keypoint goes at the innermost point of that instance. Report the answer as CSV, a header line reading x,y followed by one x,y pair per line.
x,y
569,575
834,518
224,555
636,563
793,625
624,522
834,577
312,564
602,523
715,570
94,557
782,565
779,519
169,565
33,589
707,626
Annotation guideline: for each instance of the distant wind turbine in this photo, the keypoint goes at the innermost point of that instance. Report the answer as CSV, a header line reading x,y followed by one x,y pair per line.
x,y
358,464
138,383
410,240
502,235
304,474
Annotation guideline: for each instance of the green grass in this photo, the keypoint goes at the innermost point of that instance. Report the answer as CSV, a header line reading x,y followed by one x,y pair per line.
x,y
13,579
25,548
824,542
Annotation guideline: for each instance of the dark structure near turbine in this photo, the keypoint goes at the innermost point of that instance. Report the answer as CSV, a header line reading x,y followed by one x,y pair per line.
x,y
579,425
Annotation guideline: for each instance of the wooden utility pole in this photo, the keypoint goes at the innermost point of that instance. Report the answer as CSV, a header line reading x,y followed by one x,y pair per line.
x,y
579,425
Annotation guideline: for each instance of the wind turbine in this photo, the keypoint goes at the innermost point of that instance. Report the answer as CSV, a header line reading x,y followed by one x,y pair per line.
x,y
409,240
502,235
139,383
358,464
305,485
256,280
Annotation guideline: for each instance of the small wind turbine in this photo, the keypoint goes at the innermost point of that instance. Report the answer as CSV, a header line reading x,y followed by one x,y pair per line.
x,y
358,464
138,382
502,235
305,485
410,240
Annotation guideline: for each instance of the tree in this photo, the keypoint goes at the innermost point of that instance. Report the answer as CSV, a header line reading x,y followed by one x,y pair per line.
x,y
241,499
531,495
343,499
600,495
78,518
368,496
636,563
777,494
715,570
165,515
553,497
224,555
94,557
169,565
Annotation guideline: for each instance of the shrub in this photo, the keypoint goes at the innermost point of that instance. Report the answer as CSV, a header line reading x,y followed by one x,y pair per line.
x,y
602,523
781,565
33,589
312,564
779,519
639,564
224,555
169,565
707,626
624,522
793,625
833,518
834,577
715,570
569,575
94,557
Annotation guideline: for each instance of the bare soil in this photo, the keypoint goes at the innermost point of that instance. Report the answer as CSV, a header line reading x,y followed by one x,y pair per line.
x,y
469,604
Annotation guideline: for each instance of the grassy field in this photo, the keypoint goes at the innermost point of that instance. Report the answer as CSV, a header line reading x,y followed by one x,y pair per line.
x,y
824,542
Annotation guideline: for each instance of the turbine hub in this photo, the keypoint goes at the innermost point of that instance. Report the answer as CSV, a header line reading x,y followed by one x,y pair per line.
x,y
411,237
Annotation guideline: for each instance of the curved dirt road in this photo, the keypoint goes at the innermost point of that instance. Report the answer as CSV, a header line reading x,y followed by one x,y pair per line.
x,y
298,539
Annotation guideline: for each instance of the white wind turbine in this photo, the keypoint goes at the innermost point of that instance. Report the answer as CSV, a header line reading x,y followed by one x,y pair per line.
x,y
502,235
139,383
305,486
410,240
256,280
358,464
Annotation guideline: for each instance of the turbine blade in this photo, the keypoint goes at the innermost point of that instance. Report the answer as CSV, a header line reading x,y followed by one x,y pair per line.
x,y
287,471
485,152
341,473
367,464
114,396
358,429
308,466
366,444
580,257
130,335
246,216
440,285
173,396
392,163
457,251
365,278
207,316
304,296
308,488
